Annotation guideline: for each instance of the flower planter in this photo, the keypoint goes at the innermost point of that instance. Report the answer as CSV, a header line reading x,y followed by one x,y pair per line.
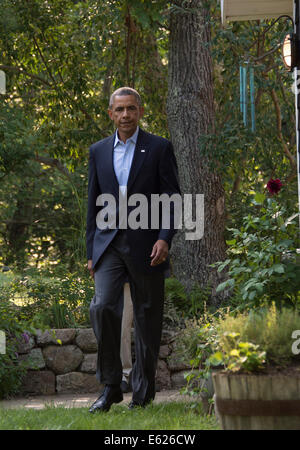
x,y
258,401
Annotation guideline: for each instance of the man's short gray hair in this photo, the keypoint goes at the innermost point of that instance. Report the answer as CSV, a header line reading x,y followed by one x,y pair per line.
x,y
125,91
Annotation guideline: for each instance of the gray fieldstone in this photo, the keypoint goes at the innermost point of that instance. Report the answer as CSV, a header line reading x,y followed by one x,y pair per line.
x,y
62,359
167,336
86,340
162,379
64,335
164,351
38,383
77,382
178,380
25,344
89,363
176,364
35,359
71,363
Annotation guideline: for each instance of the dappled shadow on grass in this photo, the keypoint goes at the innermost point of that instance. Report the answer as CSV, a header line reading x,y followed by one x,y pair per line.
x,y
164,416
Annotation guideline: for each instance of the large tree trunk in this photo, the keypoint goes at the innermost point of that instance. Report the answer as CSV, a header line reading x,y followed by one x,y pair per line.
x,y
190,111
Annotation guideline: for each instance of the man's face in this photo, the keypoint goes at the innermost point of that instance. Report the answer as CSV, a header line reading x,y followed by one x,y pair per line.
x,y
126,113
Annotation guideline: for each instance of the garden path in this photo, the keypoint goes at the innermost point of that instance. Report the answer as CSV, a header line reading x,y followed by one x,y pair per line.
x,y
82,400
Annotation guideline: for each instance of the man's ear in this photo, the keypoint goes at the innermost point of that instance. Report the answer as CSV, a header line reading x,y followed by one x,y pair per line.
x,y
142,111
110,113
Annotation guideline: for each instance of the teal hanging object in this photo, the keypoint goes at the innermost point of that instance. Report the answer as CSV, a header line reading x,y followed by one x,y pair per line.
x,y
245,105
252,99
244,94
241,89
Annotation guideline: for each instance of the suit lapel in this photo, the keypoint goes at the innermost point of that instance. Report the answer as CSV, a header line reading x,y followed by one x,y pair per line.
x,y
140,154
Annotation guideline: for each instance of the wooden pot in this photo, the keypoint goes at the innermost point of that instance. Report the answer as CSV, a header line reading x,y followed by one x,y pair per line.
x,y
257,401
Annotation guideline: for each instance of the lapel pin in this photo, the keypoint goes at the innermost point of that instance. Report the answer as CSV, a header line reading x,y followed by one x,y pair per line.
x,y
143,150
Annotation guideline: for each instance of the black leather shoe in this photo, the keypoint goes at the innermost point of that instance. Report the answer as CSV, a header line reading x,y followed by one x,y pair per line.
x,y
110,395
124,387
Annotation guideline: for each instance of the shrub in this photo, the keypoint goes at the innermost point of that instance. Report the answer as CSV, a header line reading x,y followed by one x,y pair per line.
x,y
11,369
54,299
194,346
270,329
188,304
196,337
263,266
248,341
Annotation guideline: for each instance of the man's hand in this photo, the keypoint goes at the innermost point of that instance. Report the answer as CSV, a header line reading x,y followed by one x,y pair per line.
x,y
159,252
90,265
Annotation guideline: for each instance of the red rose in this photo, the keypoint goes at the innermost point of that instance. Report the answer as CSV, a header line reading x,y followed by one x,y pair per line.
x,y
274,186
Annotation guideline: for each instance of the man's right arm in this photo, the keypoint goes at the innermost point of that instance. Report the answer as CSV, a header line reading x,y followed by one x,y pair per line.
x,y
92,210
90,268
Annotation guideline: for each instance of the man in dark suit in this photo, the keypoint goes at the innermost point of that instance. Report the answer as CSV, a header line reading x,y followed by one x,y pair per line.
x,y
129,162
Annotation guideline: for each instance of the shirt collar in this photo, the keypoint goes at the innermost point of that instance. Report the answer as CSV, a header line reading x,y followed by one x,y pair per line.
x,y
132,138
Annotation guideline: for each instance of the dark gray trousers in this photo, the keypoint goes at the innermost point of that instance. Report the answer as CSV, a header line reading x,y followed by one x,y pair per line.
x,y
147,291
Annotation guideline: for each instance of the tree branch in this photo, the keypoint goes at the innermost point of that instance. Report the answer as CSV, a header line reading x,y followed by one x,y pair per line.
x,y
43,59
273,50
53,162
21,70
279,130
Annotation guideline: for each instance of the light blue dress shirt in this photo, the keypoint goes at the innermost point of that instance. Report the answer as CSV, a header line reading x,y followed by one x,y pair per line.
x,y
123,155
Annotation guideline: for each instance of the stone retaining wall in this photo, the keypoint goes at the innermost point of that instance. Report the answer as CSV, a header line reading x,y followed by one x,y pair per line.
x,y
64,361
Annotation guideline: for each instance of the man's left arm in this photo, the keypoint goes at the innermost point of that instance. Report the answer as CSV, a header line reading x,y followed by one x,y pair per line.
x,y
169,184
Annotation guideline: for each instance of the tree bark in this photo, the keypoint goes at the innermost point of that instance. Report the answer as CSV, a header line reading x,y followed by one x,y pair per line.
x,y
190,109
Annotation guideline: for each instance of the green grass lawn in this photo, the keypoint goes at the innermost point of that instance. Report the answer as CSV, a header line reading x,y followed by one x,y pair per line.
x,y
164,416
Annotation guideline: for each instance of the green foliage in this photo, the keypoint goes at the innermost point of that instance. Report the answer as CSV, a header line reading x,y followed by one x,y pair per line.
x,y
195,345
188,304
263,264
14,326
16,141
243,355
53,298
172,318
43,215
193,335
57,298
198,336
64,59
245,341
270,328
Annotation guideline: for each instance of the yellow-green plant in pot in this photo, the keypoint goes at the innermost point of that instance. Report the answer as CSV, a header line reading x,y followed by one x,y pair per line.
x,y
259,384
